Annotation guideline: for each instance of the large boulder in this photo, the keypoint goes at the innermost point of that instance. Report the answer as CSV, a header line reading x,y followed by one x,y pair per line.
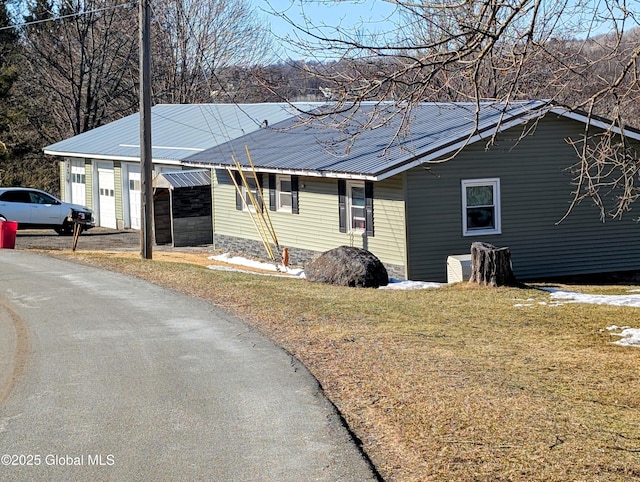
x,y
347,266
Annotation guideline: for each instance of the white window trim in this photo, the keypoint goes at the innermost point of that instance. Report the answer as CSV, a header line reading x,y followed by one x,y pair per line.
x,y
495,184
279,206
350,228
247,205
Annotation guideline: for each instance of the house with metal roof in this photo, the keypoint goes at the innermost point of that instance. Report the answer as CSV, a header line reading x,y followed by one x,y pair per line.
x,y
418,188
415,187
101,168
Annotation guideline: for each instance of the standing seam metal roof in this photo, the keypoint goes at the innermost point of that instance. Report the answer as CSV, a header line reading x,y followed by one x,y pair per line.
x,y
390,141
181,179
374,141
178,130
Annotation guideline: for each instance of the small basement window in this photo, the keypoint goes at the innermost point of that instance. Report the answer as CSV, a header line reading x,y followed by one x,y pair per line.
x,y
481,206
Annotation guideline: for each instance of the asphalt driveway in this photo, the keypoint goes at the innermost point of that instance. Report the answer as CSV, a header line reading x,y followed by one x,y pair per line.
x,y
104,377
94,239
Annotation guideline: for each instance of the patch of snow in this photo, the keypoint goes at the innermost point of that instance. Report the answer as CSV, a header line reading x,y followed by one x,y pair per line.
x,y
629,336
249,263
396,284
614,300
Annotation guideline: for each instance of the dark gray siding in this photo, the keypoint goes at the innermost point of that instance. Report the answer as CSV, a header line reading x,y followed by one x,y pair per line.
x,y
535,194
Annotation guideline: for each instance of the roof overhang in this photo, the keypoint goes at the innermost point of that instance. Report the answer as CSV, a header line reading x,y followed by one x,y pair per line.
x,y
182,179
599,122
84,155
106,157
286,172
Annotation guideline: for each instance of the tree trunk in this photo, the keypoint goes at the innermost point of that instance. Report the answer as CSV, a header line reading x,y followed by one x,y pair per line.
x,y
491,265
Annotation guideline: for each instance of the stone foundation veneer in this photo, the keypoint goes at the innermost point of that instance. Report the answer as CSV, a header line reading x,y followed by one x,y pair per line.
x,y
297,256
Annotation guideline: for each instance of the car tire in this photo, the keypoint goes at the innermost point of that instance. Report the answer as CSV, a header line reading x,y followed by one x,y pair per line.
x,y
66,229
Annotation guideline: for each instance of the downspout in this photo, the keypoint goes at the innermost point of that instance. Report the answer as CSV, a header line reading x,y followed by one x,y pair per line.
x,y
214,179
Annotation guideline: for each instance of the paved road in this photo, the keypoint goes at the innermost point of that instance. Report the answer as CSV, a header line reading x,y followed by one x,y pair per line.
x,y
107,377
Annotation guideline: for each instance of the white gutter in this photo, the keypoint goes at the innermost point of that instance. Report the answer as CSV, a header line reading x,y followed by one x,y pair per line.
x,y
596,123
86,155
105,157
290,172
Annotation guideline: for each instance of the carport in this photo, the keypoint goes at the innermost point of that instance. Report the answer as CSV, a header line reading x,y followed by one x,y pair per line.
x,y
182,208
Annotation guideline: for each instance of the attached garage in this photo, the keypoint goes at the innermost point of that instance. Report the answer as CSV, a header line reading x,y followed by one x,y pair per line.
x,y
111,152
182,208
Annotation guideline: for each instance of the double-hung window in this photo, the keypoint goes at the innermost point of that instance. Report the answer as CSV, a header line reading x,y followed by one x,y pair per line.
x,y
251,189
355,206
481,206
283,193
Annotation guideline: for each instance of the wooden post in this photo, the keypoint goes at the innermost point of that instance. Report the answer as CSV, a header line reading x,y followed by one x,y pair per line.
x,y
491,266
77,229
146,161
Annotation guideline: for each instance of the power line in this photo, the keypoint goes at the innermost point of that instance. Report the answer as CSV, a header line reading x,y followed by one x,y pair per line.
x,y
70,15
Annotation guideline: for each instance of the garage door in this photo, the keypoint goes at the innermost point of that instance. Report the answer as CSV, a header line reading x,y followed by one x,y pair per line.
x,y
107,197
78,183
135,196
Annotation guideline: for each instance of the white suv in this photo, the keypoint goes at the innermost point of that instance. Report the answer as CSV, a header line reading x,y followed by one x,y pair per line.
x,y
36,209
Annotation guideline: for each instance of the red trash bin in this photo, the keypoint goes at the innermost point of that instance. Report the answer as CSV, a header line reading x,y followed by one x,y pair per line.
x,y
8,230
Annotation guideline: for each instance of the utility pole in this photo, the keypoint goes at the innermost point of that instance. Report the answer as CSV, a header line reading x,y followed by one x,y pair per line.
x,y
146,160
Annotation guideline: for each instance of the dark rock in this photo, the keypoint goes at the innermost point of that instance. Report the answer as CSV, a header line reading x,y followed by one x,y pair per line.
x,y
347,266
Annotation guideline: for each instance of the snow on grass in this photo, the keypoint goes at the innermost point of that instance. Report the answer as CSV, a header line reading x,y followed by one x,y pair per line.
x,y
573,297
396,284
628,336
249,263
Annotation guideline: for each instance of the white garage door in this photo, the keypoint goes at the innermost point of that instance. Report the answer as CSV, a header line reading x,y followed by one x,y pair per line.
x,y
106,185
78,183
135,199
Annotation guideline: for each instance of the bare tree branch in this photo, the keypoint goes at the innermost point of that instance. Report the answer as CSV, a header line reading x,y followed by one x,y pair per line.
x,y
579,54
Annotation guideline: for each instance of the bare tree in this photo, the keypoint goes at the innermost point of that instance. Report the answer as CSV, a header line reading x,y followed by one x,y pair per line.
x,y
198,42
80,64
578,54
